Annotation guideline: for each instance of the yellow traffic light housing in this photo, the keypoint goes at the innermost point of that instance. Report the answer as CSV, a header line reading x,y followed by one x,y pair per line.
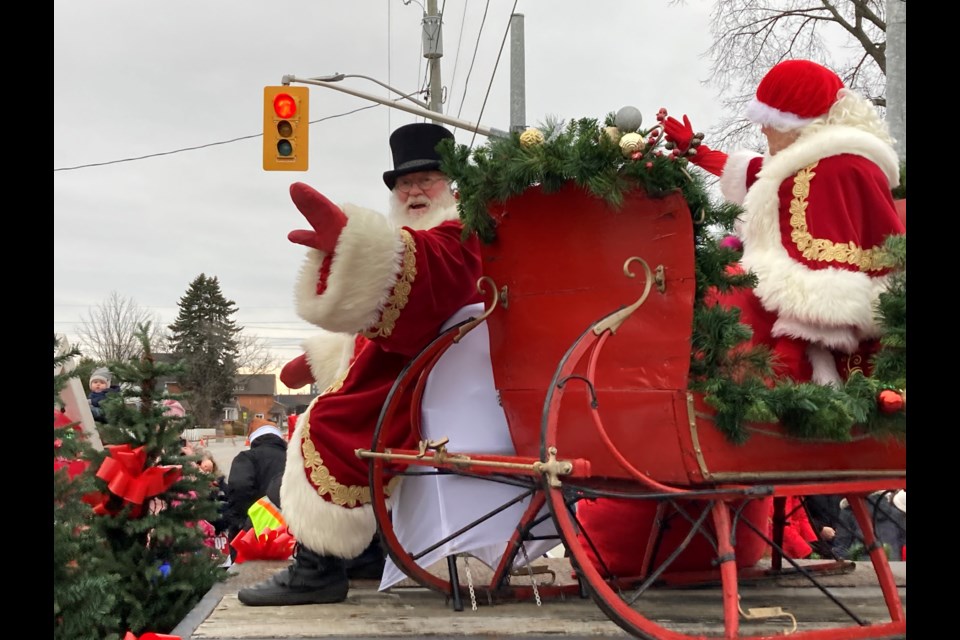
x,y
286,128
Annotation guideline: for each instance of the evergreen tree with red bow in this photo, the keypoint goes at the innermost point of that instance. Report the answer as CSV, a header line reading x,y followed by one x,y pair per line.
x,y
84,587
149,508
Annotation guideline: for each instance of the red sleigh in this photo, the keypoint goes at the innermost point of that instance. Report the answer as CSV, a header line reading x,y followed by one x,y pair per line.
x,y
590,338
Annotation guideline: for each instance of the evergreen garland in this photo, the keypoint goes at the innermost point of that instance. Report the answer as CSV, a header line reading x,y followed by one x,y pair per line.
x,y
735,380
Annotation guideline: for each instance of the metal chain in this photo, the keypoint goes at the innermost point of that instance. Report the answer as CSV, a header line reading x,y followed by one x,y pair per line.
x,y
473,594
533,579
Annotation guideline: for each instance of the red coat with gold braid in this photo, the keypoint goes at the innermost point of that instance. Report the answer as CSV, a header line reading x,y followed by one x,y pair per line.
x,y
815,218
386,294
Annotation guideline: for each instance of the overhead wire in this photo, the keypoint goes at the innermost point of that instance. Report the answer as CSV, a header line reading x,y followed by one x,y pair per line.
x,y
456,59
276,340
424,86
476,47
493,74
205,146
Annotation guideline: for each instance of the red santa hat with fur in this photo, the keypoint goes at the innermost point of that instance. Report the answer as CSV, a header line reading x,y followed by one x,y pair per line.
x,y
793,94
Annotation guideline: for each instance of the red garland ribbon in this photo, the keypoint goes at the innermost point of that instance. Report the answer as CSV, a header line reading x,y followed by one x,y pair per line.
x,y
272,544
150,635
127,479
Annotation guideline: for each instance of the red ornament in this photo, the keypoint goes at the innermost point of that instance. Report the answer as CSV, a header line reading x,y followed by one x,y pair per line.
x,y
890,401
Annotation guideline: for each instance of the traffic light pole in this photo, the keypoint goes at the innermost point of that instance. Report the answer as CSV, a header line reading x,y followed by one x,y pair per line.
x,y
490,132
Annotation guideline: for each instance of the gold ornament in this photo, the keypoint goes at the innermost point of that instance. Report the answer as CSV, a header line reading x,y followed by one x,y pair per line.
x,y
613,133
632,143
531,137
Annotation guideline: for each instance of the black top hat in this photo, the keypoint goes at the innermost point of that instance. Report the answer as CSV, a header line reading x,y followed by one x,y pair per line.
x,y
414,149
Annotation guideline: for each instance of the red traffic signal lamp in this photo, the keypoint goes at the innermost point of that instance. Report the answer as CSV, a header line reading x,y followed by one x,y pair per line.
x,y
286,128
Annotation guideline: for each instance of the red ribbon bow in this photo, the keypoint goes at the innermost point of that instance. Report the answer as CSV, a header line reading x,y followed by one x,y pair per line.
x,y
272,544
127,479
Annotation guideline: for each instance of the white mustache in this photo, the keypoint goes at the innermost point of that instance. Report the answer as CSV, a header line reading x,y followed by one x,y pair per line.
x,y
419,200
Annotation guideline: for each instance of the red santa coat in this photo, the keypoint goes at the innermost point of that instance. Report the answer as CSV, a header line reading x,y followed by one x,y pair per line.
x,y
815,218
385,297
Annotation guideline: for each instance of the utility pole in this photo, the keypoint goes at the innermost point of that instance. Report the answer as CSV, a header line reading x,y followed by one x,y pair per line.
x,y
518,90
897,74
433,51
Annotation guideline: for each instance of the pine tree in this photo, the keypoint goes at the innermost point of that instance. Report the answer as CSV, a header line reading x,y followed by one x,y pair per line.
x,y
151,541
205,339
84,587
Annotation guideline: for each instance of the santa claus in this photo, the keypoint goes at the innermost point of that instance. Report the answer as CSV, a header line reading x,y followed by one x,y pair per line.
x,y
382,287
817,210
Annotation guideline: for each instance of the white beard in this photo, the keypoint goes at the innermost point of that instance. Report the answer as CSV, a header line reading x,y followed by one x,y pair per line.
x,y
440,209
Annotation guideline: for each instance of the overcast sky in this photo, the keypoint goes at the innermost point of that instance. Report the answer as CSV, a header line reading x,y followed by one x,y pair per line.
x,y
134,79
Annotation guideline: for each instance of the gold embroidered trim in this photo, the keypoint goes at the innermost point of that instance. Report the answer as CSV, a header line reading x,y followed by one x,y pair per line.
x,y
818,249
401,291
336,384
855,362
326,483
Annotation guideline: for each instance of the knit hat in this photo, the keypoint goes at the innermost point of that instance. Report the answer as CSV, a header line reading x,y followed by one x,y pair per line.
x,y
259,427
793,94
103,374
173,408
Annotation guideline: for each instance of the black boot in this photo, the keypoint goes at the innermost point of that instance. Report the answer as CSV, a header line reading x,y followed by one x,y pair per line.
x,y
369,564
311,579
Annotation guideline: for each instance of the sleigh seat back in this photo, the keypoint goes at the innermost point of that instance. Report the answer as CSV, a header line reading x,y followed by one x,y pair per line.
x,y
561,262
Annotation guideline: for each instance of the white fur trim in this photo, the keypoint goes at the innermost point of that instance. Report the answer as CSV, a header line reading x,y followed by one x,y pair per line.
x,y
365,265
832,140
840,338
836,300
824,366
733,180
328,355
763,114
323,527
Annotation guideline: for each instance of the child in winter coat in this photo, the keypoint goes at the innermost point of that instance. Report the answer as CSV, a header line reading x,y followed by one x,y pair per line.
x,y
100,387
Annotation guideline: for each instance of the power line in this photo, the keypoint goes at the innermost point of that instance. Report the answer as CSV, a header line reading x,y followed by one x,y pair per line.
x,y
495,65
202,146
456,59
476,47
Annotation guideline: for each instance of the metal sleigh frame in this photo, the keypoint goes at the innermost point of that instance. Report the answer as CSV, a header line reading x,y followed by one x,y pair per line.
x,y
559,480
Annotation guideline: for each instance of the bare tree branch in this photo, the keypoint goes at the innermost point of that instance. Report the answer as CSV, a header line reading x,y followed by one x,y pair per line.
x,y
751,36
109,331
255,356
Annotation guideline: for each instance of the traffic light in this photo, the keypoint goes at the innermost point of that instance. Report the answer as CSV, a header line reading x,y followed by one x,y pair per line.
x,y
286,128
